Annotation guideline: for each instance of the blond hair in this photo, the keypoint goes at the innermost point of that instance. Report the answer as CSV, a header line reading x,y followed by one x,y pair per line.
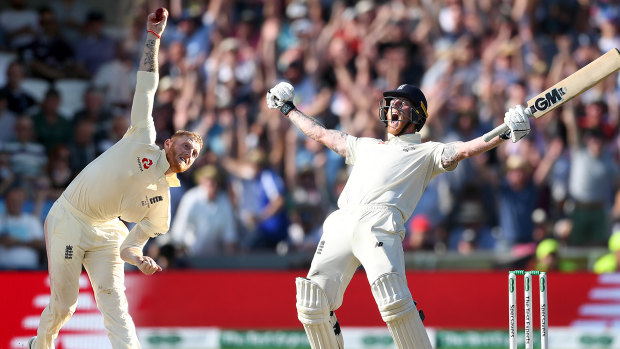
x,y
193,135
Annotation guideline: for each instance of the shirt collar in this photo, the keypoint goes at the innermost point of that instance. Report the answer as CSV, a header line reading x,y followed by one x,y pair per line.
x,y
409,138
163,165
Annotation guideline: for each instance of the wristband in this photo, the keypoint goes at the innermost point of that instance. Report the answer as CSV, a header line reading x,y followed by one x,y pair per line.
x,y
287,108
154,33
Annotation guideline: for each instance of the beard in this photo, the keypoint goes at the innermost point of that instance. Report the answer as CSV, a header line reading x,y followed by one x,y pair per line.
x,y
176,165
396,127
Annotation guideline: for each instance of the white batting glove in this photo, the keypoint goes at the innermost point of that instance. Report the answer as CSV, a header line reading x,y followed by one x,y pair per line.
x,y
517,120
281,97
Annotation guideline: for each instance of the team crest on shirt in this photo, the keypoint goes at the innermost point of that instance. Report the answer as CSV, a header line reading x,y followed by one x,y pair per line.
x,y
144,163
69,252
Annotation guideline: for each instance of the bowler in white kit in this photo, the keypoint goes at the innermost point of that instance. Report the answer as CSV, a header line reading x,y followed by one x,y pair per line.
x,y
386,183
130,181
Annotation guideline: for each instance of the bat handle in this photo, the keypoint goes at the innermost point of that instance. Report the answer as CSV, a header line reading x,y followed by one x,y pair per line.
x,y
503,128
499,130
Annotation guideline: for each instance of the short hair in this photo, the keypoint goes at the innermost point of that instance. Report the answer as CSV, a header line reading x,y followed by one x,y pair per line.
x,y
193,135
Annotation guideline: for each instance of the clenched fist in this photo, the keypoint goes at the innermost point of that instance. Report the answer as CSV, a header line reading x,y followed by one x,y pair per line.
x,y
155,24
281,97
517,120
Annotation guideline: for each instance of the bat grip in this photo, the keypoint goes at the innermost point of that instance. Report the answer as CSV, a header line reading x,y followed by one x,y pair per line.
x,y
501,129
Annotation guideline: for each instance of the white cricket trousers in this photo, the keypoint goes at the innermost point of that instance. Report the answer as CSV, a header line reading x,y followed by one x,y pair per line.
x,y
367,235
72,240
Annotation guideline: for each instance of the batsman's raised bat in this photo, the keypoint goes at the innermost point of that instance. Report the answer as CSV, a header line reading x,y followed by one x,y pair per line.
x,y
567,89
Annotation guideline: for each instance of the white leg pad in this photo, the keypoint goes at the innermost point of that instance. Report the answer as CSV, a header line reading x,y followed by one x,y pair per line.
x,y
399,312
313,312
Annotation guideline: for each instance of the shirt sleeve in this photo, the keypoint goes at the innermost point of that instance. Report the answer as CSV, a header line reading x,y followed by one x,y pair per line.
x,y
142,106
437,153
137,237
157,220
352,143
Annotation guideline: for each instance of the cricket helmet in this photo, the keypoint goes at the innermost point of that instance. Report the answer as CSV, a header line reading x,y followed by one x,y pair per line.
x,y
417,114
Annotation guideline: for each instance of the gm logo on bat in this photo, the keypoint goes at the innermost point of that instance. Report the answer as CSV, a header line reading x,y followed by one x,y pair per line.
x,y
551,98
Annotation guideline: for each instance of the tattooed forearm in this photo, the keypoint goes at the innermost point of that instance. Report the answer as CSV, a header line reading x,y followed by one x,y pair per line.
x,y
149,56
449,157
313,128
307,124
457,151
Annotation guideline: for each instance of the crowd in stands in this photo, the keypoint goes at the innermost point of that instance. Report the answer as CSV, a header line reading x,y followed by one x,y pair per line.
x,y
67,78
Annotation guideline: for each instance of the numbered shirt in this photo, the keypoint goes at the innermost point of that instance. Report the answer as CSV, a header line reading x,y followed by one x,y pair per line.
x,y
393,172
128,180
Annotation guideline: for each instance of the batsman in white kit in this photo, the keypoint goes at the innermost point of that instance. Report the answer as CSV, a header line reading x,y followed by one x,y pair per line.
x,y
385,184
129,181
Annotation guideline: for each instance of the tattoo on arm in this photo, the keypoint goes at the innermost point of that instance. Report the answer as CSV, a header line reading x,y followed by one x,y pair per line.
x,y
340,145
310,126
313,128
449,156
306,118
149,56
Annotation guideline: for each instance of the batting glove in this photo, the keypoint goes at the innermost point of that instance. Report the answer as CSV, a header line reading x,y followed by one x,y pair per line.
x,y
281,97
518,122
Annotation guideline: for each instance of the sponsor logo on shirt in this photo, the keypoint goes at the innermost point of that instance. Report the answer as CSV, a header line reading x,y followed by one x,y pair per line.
x,y
379,244
153,200
320,248
408,148
144,163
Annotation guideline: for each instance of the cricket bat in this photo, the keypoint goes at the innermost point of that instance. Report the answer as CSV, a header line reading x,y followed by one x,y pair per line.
x,y
565,90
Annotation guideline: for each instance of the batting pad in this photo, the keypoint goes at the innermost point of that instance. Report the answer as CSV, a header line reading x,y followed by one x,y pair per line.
x,y
314,313
399,312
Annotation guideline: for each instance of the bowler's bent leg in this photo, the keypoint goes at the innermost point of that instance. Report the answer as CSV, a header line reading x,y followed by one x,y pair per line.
x,y
65,266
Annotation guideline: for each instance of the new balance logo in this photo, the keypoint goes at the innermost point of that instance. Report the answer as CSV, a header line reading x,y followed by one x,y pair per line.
x,y
156,199
150,201
69,252
319,249
379,244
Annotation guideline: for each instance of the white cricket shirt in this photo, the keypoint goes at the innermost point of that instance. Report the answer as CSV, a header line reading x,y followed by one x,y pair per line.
x,y
128,180
390,173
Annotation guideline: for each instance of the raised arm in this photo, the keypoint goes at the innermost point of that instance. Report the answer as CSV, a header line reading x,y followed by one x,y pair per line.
x,y
148,70
311,127
456,151
519,127
281,97
154,30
